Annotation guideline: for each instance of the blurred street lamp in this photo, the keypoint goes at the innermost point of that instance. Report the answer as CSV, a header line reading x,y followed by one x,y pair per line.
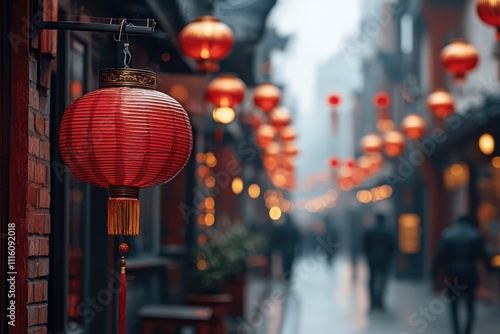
x,y
206,40
459,57
486,143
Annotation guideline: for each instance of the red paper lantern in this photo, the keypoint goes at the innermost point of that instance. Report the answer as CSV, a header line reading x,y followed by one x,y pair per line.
x,y
441,103
226,91
459,57
394,143
288,134
413,126
206,40
280,118
350,163
381,100
267,97
334,100
334,162
290,149
265,135
489,13
125,136
371,143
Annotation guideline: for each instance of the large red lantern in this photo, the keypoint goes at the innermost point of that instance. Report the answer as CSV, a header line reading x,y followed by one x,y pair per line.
x,y
206,40
394,143
459,57
265,135
225,92
280,118
441,103
371,143
267,97
413,126
125,136
489,12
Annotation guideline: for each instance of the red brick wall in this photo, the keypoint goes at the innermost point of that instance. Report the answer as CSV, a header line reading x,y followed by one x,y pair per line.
x,y
38,197
29,163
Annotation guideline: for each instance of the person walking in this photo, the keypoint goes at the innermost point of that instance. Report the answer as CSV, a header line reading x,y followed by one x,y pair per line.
x,y
378,245
459,248
285,239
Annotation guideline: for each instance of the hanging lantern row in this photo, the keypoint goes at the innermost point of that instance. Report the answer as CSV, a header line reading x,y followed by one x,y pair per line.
x,y
352,173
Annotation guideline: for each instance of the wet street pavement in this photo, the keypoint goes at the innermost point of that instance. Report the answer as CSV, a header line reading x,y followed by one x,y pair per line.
x,y
325,300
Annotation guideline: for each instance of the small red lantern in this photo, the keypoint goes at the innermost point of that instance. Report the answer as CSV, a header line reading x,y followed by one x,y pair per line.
x,y
413,126
290,149
280,118
267,97
125,136
334,100
334,162
394,143
265,135
441,103
350,163
226,91
381,100
489,13
459,57
371,143
273,150
287,134
206,40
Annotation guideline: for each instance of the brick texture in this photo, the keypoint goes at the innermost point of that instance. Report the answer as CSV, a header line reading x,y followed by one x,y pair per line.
x,y
38,199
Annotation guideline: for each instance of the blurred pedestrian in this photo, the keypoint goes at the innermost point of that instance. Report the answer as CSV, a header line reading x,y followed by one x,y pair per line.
x,y
331,236
460,246
285,239
378,245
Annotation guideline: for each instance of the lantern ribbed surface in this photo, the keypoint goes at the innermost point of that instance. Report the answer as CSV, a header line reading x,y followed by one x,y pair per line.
x,y
122,136
125,136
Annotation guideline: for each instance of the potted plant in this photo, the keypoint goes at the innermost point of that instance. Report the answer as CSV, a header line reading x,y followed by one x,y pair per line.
x,y
220,265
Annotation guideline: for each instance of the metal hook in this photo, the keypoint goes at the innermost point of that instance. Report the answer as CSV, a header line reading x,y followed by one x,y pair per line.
x,y
120,34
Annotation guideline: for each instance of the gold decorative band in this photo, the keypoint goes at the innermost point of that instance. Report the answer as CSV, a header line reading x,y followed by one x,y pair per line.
x,y
127,77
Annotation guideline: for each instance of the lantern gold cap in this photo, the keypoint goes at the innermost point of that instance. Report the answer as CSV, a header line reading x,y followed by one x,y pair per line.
x,y
127,77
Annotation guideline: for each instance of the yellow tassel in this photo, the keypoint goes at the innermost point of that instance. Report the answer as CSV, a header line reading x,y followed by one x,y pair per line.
x,y
123,216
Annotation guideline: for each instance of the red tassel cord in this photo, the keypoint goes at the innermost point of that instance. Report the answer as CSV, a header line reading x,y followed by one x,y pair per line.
x,y
122,298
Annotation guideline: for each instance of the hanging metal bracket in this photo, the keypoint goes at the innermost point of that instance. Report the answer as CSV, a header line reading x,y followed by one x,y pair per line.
x,y
110,28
